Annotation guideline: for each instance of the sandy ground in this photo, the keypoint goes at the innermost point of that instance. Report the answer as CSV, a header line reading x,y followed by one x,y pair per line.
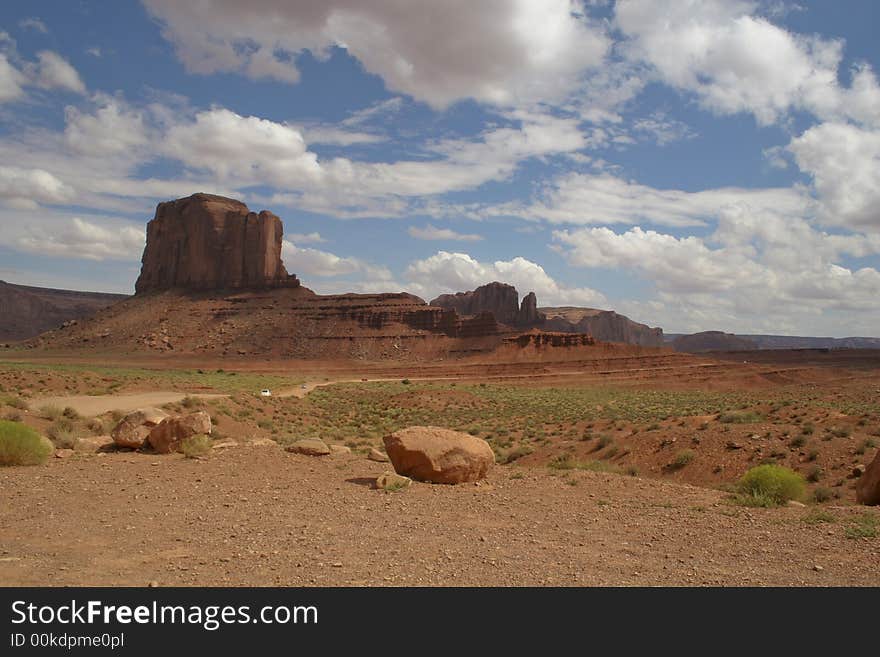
x,y
95,405
255,515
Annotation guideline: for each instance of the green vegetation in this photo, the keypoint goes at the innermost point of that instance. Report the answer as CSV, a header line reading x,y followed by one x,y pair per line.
x,y
769,485
682,458
866,525
196,446
21,445
817,516
63,433
740,417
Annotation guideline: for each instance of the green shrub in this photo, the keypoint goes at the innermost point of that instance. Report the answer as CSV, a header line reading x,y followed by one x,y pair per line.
x,y
50,412
21,445
196,446
682,458
63,434
770,485
822,494
739,417
865,526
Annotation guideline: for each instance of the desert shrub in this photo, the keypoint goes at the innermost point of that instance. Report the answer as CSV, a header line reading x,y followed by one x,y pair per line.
x,y
770,485
808,429
739,417
797,442
840,433
96,426
682,458
17,402
70,413
21,445
517,453
50,412
604,441
815,474
817,516
405,382
63,434
822,494
191,402
196,446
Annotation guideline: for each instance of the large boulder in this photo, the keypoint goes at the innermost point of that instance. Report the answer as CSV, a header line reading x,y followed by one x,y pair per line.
x,y
868,485
309,447
206,242
133,429
438,455
170,432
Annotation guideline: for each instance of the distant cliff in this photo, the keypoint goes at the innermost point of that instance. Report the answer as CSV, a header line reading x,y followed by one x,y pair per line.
x,y
500,299
28,311
712,341
604,325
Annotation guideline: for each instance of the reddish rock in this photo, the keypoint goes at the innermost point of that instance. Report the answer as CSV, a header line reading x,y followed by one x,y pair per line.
x,y
438,455
168,434
133,429
868,485
604,325
207,242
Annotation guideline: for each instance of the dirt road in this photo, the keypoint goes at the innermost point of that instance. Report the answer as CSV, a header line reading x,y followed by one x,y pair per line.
x,y
89,406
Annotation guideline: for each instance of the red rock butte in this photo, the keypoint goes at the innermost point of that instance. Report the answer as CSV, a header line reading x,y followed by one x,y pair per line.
x,y
208,242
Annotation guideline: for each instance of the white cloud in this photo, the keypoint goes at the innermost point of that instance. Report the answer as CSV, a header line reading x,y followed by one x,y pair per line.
x,y
94,51
69,236
34,24
305,238
844,162
497,51
307,262
25,188
737,61
430,232
113,128
576,198
52,71
446,272
11,81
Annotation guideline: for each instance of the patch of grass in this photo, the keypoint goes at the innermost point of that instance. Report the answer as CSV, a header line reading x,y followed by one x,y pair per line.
x,y
96,426
189,402
815,474
682,458
769,485
865,526
70,413
16,402
822,494
517,453
567,463
21,445
817,516
63,434
740,417
797,442
808,429
196,446
50,412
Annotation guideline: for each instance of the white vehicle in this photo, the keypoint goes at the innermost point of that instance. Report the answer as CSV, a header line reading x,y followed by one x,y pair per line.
x,y
266,393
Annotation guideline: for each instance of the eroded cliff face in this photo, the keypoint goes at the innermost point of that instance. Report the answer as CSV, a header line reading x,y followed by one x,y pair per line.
x,y
207,242
603,325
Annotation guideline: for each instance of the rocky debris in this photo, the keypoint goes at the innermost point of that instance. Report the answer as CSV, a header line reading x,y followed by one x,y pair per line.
x,y
540,339
868,485
208,242
309,447
499,299
375,455
133,429
392,481
439,455
339,450
166,436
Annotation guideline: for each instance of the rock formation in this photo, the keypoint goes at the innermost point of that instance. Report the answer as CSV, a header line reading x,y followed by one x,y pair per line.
x,y
207,242
868,485
712,341
604,325
500,299
27,311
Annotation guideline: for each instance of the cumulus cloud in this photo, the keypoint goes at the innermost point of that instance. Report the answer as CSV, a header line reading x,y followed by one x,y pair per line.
x,y
305,238
314,262
844,162
498,51
430,232
11,81
70,236
33,23
113,128
52,71
737,61
446,272
26,188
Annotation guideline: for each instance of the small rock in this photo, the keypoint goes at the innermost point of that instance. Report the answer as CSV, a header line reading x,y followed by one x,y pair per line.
x,y
818,568
375,455
796,504
340,450
858,471
309,447
733,445
154,584
63,453
392,481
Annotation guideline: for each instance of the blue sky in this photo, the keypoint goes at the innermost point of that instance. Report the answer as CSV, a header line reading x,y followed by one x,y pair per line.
x,y
695,165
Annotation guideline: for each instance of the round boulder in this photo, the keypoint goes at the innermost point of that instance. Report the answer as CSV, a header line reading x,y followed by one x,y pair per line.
x,y
166,436
438,455
868,485
133,429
